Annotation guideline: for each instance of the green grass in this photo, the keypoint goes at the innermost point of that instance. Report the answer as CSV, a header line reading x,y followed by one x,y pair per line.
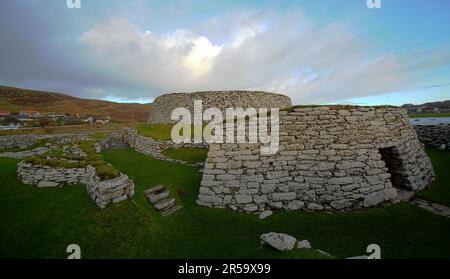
x,y
40,223
439,190
427,115
161,132
158,132
189,155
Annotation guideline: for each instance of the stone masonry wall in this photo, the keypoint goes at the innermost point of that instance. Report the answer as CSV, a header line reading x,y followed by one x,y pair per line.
x,y
152,147
329,159
110,191
27,140
436,136
163,106
102,192
45,176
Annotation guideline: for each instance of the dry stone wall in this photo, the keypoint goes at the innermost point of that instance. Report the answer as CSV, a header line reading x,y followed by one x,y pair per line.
x,y
20,141
102,192
436,136
28,140
329,159
45,176
163,106
110,191
152,147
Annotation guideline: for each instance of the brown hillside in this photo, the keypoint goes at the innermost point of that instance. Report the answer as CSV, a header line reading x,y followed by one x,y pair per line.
x,y
16,99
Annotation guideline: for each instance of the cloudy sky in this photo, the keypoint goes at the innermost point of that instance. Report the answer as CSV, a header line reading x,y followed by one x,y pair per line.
x,y
329,51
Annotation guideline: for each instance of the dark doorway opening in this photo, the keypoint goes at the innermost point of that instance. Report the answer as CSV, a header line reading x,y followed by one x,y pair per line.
x,y
395,168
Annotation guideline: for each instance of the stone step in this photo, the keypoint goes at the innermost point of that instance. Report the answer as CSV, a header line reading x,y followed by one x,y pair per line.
x,y
405,195
153,190
158,196
164,204
168,211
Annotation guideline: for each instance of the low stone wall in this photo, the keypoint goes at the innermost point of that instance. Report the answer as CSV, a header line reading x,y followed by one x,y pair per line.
x,y
145,145
113,140
152,147
435,136
102,192
26,153
329,159
162,107
45,176
110,191
20,141
27,140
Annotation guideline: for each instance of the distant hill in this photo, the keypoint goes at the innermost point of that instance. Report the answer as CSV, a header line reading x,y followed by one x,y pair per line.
x,y
16,99
428,108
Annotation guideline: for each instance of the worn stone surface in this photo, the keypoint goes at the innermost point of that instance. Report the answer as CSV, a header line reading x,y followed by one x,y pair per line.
x,y
279,241
303,244
265,214
25,154
329,159
161,200
163,106
432,207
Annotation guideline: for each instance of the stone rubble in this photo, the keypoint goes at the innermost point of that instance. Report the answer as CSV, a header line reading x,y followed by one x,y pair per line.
x,y
265,214
303,244
25,154
279,241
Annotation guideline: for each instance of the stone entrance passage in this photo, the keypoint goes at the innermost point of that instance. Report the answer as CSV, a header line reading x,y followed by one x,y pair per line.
x,y
399,176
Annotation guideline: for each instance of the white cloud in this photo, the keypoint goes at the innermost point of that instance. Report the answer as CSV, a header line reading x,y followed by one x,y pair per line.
x,y
255,50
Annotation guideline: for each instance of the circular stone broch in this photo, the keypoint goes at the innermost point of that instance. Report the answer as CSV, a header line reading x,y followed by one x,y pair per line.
x,y
163,106
330,158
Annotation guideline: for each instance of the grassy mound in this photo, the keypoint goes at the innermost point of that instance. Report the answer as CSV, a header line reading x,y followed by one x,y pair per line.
x,y
439,190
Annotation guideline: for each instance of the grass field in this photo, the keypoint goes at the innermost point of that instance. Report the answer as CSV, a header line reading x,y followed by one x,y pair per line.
x,y
439,190
188,155
161,132
40,223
